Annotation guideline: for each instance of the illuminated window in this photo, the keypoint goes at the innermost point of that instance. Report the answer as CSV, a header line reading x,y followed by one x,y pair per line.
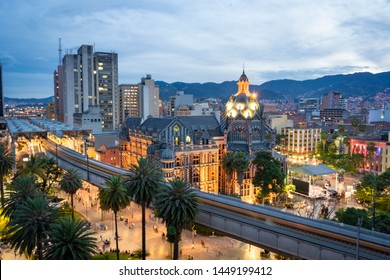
x,y
195,177
195,159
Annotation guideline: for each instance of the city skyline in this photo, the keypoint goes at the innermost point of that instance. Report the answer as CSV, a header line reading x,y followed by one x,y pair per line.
x,y
194,42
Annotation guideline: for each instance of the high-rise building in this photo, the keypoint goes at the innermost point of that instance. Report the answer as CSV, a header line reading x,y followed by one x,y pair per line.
x,y
1,92
58,94
307,106
179,99
106,87
129,102
149,97
333,100
89,79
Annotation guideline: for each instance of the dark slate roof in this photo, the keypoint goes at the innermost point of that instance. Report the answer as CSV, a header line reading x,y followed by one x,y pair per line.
x,y
133,122
199,122
238,147
155,124
215,132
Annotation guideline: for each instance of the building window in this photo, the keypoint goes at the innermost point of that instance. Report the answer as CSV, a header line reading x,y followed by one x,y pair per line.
x,y
195,159
195,177
256,134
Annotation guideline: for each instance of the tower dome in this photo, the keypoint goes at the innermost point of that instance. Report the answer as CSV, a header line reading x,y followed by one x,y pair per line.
x,y
167,155
244,102
243,77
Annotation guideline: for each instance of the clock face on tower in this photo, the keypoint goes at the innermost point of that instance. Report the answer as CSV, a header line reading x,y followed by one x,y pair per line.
x,y
176,128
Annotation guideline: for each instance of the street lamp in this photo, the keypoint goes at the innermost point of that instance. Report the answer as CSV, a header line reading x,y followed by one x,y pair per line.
x,y
56,155
373,209
193,236
86,154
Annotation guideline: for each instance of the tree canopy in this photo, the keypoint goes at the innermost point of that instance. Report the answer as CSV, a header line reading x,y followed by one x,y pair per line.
x,y
268,177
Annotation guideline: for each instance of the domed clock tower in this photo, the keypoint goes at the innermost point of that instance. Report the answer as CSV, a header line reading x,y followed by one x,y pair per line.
x,y
245,126
245,129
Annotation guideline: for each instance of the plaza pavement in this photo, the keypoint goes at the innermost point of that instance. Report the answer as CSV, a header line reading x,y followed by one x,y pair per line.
x,y
205,247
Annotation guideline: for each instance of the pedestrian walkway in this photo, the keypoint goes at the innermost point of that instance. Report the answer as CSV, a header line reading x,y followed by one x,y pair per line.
x,y
196,247
130,237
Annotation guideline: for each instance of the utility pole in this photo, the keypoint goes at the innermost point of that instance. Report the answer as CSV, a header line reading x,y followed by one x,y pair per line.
x,y
359,224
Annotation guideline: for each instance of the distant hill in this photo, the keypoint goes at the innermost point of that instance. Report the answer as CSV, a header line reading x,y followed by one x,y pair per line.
x,y
28,100
358,84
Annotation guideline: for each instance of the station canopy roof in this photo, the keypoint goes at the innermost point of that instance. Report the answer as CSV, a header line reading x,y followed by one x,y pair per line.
x,y
314,170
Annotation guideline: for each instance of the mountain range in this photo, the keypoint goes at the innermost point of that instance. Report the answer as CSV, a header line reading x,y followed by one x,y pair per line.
x,y
362,84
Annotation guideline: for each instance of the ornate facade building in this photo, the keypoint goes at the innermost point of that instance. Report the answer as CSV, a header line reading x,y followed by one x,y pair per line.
x,y
192,147
245,129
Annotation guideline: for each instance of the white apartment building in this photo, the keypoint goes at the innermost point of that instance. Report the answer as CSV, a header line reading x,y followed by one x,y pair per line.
x,y
149,97
300,141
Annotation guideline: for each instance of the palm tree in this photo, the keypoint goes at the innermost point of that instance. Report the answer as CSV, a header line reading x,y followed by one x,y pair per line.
x,y
142,184
21,189
34,167
28,227
235,162
178,205
71,183
324,138
7,162
228,166
114,198
241,164
70,240
371,149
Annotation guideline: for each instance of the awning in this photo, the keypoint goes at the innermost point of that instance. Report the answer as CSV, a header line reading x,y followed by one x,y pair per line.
x,y
315,170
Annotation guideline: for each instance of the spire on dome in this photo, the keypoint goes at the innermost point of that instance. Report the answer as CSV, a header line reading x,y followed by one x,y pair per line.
x,y
243,77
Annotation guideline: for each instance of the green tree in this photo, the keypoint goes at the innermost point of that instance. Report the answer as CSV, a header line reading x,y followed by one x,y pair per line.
x,y
362,128
29,224
51,175
35,167
144,179
355,122
324,139
341,129
7,162
371,149
382,222
20,190
114,198
70,239
241,164
71,183
228,166
178,205
350,216
269,176
235,162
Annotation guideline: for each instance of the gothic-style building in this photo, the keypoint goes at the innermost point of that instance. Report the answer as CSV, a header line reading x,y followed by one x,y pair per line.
x,y
192,147
246,130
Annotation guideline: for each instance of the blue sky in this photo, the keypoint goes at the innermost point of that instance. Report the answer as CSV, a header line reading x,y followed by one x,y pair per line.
x,y
194,41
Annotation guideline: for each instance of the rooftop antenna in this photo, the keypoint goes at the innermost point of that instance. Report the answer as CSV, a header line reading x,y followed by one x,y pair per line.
x,y
59,52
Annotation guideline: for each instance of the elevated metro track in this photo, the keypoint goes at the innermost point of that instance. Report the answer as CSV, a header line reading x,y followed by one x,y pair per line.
x,y
263,226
